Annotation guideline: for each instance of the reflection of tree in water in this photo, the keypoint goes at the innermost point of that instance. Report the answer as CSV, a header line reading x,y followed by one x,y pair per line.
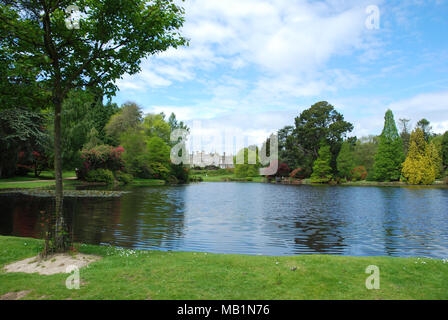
x,y
160,217
146,218
319,231
20,215
92,220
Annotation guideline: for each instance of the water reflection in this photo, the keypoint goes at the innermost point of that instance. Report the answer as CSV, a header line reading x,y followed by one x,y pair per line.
x,y
252,219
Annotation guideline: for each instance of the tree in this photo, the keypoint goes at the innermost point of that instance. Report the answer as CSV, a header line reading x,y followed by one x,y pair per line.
x,y
364,151
113,37
434,154
247,162
158,150
322,171
405,134
321,123
445,149
390,156
345,161
418,167
128,117
156,126
291,153
76,124
21,130
424,125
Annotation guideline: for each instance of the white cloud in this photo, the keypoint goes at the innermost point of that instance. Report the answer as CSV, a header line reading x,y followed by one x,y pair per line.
x,y
432,106
278,38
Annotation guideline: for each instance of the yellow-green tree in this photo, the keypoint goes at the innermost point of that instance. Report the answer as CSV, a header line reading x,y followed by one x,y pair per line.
x,y
435,153
419,166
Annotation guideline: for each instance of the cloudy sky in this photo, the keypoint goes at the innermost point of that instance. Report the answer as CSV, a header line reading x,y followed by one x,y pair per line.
x,y
253,65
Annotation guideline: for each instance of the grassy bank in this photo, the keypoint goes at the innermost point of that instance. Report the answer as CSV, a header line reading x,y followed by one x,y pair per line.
x,y
30,181
128,274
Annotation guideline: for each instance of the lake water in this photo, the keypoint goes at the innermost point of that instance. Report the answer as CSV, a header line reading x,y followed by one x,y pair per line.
x,y
252,218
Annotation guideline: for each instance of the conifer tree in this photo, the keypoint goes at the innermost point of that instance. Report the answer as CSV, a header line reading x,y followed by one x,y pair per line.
x,y
435,157
345,161
418,167
322,171
445,149
390,156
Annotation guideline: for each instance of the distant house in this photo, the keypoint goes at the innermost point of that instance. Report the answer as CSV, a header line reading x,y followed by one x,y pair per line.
x,y
202,159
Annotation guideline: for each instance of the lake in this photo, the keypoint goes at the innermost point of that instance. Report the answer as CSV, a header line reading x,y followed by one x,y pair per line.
x,y
252,218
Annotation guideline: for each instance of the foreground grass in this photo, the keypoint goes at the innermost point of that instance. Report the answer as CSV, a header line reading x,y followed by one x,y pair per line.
x,y
128,274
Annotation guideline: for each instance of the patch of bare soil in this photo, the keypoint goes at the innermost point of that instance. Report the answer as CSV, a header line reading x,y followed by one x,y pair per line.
x,y
57,263
14,295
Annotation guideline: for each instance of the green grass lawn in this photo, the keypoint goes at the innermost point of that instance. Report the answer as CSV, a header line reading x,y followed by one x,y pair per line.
x,y
227,177
129,274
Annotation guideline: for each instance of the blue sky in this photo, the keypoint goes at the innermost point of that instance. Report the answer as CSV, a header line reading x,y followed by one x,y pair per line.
x,y
254,65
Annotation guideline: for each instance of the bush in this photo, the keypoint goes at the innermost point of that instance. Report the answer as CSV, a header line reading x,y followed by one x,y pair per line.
x,y
158,171
196,179
100,175
124,178
102,157
297,174
359,173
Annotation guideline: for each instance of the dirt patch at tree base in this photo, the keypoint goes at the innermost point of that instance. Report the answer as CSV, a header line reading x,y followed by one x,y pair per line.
x,y
14,295
57,263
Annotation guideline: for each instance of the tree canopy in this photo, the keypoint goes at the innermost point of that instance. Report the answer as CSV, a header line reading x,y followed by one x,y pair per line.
x,y
390,155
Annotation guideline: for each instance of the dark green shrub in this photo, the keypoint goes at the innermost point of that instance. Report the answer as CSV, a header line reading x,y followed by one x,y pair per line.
x,y
124,178
100,175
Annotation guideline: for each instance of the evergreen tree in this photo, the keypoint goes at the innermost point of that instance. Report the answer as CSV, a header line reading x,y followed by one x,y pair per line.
x,y
345,161
405,134
390,156
322,171
418,167
434,154
445,149
424,125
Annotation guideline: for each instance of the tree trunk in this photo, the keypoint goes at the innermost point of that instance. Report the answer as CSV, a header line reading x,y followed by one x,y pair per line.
x,y
59,241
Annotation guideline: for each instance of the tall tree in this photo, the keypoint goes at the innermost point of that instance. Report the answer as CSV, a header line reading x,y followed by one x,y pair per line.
x,y
129,116
112,38
419,165
425,126
321,123
322,171
445,149
405,133
345,160
364,152
390,156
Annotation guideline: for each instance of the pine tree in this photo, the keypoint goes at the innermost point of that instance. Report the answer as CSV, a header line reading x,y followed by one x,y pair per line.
x,y
419,165
434,154
345,161
322,171
390,156
445,149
